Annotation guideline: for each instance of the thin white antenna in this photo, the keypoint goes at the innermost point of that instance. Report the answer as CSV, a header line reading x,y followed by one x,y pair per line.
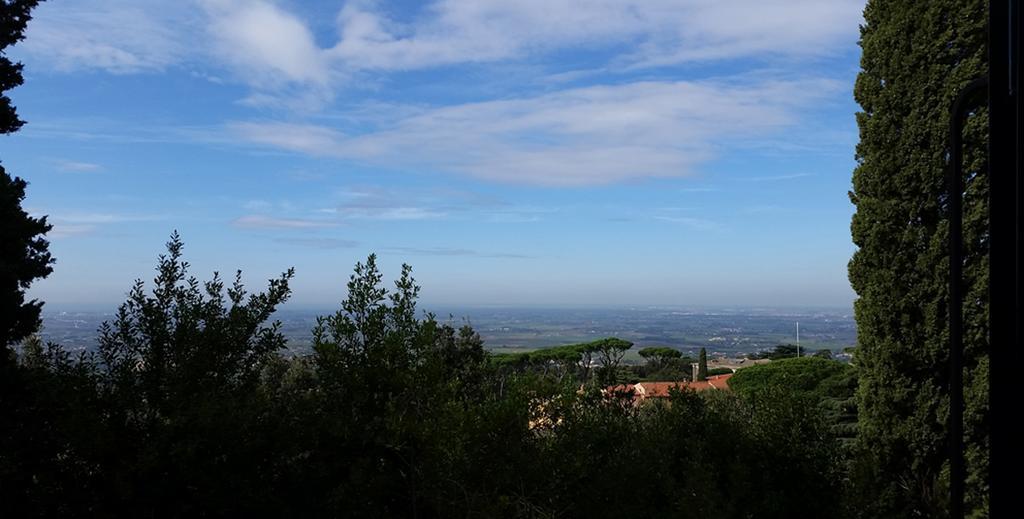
x,y
798,338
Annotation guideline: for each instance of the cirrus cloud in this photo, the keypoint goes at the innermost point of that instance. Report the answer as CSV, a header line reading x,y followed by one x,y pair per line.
x,y
290,61
581,136
255,221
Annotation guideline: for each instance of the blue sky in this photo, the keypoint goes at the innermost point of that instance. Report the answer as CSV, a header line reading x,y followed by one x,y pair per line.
x,y
556,152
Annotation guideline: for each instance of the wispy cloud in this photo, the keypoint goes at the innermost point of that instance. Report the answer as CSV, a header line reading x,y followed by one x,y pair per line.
x,y
71,166
102,218
277,52
698,224
70,224
766,209
379,203
519,214
67,230
255,42
319,243
388,203
446,251
582,136
665,31
776,178
119,36
385,213
256,221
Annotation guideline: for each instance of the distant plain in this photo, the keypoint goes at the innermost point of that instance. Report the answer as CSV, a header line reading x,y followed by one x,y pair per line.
x,y
723,331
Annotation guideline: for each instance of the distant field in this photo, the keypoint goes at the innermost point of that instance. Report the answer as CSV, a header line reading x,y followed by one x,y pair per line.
x,y
721,331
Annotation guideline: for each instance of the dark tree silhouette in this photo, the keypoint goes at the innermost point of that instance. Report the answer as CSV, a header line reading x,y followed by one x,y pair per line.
x,y
14,17
23,251
23,258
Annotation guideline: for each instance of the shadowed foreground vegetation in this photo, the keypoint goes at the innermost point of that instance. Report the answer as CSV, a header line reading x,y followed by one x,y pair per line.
x,y
188,409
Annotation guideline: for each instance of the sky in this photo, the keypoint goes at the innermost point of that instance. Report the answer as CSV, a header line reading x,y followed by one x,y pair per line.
x,y
520,153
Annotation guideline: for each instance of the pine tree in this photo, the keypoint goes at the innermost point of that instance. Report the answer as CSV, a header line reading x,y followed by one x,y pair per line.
x,y
23,252
23,258
916,58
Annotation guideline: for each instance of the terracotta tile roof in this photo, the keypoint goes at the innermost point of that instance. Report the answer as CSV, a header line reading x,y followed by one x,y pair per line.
x,y
661,389
720,381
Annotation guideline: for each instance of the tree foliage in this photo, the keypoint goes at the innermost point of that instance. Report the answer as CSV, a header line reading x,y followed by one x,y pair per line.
x,y
805,376
188,339
781,351
24,255
572,359
189,409
823,383
24,258
915,60
14,18
823,353
719,371
660,355
702,365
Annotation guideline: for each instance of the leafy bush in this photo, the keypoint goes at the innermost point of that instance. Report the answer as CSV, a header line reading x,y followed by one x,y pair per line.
x,y
392,415
719,371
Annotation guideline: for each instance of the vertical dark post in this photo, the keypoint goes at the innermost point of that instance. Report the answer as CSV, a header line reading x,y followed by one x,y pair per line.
x,y
954,182
1005,217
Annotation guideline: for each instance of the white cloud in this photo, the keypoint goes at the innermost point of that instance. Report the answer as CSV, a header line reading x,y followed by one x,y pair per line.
x,y
451,251
269,222
766,209
582,136
119,36
277,52
380,203
69,224
67,230
305,138
664,31
699,224
776,178
387,213
101,218
319,242
72,166
269,45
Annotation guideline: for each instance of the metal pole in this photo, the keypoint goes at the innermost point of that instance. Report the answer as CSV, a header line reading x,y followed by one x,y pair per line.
x,y
955,186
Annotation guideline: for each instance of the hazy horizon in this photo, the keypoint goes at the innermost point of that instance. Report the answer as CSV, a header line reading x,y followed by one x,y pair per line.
x,y
424,305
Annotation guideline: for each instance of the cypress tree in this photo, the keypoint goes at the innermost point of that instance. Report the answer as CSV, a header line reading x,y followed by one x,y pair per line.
x,y
917,56
702,365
